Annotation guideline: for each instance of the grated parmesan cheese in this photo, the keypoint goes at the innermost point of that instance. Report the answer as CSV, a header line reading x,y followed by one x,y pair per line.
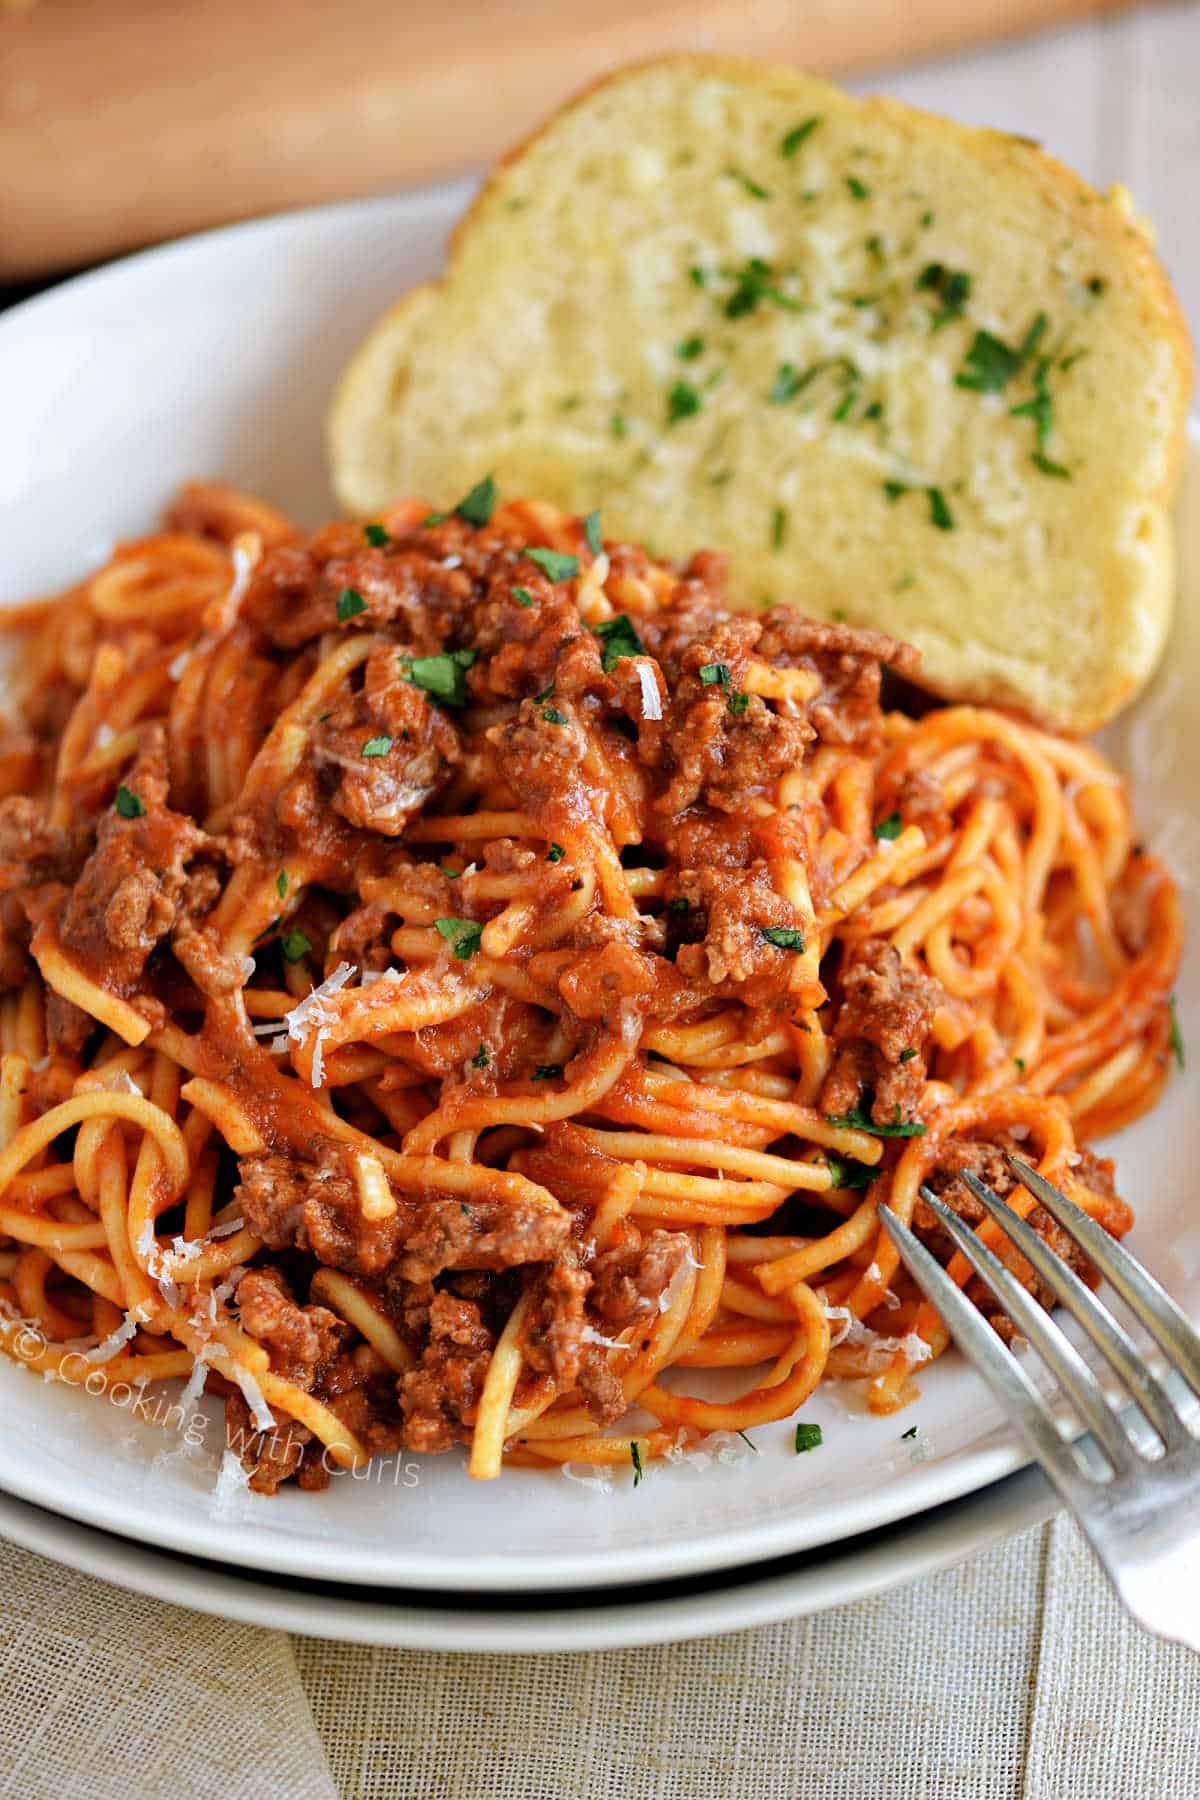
x,y
845,1319
719,1446
189,1399
261,1413
312,1012
651,698
371,976
232,1480
589,1335
116,1340
592,1475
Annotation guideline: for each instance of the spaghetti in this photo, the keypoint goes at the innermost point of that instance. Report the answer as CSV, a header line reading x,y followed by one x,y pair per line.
x,y
459,980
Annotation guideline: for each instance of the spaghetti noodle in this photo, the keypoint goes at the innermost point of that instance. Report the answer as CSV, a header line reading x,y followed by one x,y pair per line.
x,y
459,980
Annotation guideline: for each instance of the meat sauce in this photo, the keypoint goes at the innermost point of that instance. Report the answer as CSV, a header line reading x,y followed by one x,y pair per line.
x,y
481,672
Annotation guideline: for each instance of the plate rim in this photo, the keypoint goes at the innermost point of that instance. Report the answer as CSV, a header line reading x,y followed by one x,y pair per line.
x,y
239,1544
736,1600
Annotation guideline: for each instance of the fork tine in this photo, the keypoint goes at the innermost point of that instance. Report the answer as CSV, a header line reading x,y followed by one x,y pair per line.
x,y
1113,1343
1056,1351
1144,1297
1002,1372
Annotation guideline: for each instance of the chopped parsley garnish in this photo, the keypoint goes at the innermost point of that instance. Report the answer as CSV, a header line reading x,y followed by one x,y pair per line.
x,y
910,1433
478,506
281,883
790,381
1048,466
376,746
907,1054
618,426
522,596
784,937
755,281
678,905
845,1173
555,563
481,1059
779,520
294,945
808,1437
682,402
858,1120
755,189
376,535
619,638
547,1071
448,872
845,405
349,604
555,853
698,276
858,189
591,532
690,348
991,363
951,286
792,140
888,828
267,929
552,716
939,513
462,935
443,675
715,674
129,804
635,1457
1020,1062
1041,410
433,518
738,702
1175,1036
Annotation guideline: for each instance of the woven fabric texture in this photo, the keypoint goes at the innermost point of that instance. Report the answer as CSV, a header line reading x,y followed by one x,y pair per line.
x,y
106,1694
1013,1677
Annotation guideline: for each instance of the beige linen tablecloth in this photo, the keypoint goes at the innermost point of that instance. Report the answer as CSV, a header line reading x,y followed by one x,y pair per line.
x,y
1014,1677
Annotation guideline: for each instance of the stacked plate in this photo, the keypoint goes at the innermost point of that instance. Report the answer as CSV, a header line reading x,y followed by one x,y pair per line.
x,y
216,357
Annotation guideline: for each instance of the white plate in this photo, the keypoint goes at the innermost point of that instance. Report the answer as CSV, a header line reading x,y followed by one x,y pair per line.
x,y
618,1619
216,356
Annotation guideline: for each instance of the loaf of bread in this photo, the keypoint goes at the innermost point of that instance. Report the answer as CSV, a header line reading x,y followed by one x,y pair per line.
x,y
905,373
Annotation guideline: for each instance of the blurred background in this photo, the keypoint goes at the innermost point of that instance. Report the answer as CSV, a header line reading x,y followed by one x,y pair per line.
x,y
124,122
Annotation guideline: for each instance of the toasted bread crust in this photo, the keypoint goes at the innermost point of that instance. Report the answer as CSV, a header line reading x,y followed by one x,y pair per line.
x,y
1080,568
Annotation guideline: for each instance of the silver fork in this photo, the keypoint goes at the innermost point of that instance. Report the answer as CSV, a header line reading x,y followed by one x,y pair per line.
x,y
1139,1511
